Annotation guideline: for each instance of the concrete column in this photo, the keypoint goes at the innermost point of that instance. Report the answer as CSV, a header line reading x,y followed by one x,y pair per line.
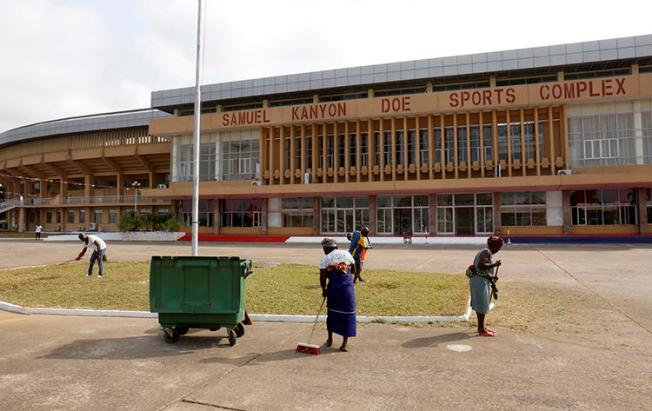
x,y
21,219
216,216
568,221
642,211
316,212
119,183
554,208
263,218
432,214
498,223
274,218
88,190
638,134
372,215
64,219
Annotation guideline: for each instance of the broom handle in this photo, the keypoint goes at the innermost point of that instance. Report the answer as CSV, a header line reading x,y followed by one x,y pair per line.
x,y
316,318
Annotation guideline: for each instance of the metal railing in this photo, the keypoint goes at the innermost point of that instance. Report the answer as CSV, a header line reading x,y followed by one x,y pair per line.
x,y
94,200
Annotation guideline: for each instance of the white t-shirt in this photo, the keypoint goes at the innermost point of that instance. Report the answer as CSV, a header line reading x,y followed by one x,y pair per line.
x,y
39,228
96,242
336,257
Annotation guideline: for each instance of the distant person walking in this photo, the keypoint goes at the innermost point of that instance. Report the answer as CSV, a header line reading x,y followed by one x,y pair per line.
x,y
358,249
337,287
480,284
99,254
37,231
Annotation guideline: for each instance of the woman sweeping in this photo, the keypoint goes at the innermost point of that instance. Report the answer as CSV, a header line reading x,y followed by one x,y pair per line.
x,y
337,286
480,285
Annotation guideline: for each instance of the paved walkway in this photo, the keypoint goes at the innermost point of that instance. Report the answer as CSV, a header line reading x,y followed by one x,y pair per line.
x,y
49,362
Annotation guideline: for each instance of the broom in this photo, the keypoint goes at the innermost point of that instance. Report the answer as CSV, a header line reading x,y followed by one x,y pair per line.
x,y
312,348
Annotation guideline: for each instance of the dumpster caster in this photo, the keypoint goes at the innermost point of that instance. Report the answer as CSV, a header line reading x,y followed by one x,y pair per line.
x,y
232,338
239,330
214,329
182,330
171,335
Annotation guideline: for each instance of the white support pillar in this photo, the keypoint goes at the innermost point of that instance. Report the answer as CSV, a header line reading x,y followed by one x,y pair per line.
x,y
638,134
274,219
554,208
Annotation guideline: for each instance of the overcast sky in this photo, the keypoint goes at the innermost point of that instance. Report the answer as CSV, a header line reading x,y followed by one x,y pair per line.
x,y
64,58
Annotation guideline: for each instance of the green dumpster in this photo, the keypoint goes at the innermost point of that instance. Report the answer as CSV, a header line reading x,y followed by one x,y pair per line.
x,y
198,292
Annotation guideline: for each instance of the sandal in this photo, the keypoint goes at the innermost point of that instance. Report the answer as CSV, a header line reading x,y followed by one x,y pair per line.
x,y
487,333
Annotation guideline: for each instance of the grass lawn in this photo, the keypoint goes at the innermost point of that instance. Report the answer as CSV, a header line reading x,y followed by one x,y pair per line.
x,y
280,289
15,234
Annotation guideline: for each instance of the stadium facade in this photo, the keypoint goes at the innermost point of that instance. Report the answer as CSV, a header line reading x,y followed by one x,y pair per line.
x,y
546,141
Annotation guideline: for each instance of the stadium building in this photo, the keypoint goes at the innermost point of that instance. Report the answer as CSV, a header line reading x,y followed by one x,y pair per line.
x,y
547,141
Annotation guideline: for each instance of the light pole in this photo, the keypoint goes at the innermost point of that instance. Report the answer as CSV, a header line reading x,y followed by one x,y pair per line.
x,y
135,185
196,136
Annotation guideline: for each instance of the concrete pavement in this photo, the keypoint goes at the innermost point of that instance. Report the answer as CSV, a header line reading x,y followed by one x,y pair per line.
x,y
602,362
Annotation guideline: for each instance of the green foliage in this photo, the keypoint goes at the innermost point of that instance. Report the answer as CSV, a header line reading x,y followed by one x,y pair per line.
x,y
129,221
147,222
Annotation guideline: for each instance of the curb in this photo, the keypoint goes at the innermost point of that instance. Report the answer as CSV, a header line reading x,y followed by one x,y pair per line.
x,y
282,318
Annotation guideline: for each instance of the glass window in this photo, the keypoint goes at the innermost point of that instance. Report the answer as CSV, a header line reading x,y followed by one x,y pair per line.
x,y
344,214
450,145
475,143
98,216
113,216
240,159
402,215
399,147
488,142
206,162
48,217
602,139
297,212
523,208
82,216
437,145
515,141
412,147
423,146
70,219
603,207
502,142
241,213
461,144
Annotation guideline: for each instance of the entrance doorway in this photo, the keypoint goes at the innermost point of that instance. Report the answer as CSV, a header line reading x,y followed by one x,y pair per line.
x,y
464,221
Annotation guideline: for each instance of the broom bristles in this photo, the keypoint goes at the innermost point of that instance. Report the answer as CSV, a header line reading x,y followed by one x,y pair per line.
x,y
309,348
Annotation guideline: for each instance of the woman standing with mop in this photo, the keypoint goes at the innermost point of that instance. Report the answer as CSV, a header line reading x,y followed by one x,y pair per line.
x,y
337,287
484,265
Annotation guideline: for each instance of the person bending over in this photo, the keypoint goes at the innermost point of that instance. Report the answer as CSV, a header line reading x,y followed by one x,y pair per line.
x,y
337,287
99,254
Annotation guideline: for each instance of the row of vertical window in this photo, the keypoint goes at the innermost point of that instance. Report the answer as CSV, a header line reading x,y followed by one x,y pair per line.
x,y
469,146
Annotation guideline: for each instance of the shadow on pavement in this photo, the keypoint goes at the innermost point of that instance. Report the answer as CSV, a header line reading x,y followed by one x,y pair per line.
x,y
130,348
435,340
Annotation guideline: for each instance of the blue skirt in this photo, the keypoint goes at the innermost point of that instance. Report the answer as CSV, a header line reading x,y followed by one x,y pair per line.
x,y
341,303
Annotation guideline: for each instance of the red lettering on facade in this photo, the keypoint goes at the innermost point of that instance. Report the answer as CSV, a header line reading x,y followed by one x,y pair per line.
x,y
606,88
318,111
569,90
245,118
486,97
544,92
620,82
395,104
511,95
591,93
453,100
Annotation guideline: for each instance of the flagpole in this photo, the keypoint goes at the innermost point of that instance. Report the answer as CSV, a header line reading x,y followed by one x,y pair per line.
x,y
196,139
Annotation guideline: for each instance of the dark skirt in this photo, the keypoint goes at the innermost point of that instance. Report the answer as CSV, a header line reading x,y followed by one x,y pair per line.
x,y
341,304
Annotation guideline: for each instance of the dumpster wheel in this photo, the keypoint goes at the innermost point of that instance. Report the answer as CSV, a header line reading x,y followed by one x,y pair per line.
x,y
171,335
232,337
239,330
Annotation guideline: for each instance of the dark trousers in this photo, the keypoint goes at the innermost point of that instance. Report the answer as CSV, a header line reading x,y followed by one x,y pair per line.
x,y
38,236
99,256
357,268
